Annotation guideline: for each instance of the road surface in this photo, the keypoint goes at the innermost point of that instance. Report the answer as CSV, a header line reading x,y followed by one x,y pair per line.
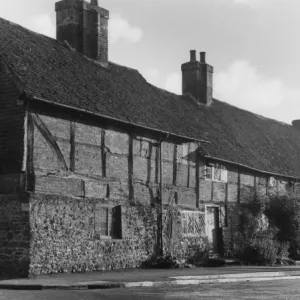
x,y
285,289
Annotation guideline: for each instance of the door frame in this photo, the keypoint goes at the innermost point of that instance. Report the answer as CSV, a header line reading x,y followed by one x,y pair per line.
x,y
206,227
211,205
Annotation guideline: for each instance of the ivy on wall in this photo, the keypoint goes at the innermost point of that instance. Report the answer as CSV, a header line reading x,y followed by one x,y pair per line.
x,y
142,223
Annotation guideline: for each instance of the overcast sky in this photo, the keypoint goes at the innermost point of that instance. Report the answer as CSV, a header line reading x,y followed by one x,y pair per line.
x,y
253,45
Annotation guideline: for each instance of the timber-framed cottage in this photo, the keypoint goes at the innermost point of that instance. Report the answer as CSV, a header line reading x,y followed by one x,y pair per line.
x,y
83,140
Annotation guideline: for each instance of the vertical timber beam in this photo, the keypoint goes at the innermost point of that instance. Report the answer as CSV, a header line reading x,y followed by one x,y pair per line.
x,y
72,146
239,187
130,168
226,205
188,166
255,186
160,209
197,174
175,165
30,182
24,164
156,164
103,153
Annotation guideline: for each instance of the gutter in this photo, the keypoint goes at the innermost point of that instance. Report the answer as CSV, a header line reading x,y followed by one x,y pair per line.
x,y
250,168
114,119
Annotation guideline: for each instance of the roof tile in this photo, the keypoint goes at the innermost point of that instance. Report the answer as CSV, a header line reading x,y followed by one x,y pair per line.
x,y
48,69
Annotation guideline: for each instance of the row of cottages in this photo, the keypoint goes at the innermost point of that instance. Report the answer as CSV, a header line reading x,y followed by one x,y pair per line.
x,y
88,148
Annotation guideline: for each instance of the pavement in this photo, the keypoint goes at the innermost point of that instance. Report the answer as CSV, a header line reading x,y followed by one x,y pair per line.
x,y
152,277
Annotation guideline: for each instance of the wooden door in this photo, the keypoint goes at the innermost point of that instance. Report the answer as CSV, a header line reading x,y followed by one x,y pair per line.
x,y
212,227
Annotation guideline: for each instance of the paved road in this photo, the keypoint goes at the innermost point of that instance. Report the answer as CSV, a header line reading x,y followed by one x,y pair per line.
x,y
286,289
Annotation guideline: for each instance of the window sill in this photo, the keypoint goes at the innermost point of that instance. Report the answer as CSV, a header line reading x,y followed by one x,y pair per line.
x,y
104,237
215,180
108,238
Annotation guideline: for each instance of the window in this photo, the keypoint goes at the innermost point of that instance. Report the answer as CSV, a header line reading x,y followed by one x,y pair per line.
x,y
182,153
272,182
215,172
185,151
193,222
103,222
108,221
144,148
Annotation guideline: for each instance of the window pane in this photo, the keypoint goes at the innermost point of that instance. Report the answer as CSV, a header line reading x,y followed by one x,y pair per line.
x,y
217,173
208,172
224,175
193,222
185,227
116,222
200,223
104,221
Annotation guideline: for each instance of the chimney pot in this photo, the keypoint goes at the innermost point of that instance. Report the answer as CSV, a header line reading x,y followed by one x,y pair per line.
x,y
193,55
94,2
202,57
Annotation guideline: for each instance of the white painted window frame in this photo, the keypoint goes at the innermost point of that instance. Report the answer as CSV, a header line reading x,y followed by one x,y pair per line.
x,y
224,172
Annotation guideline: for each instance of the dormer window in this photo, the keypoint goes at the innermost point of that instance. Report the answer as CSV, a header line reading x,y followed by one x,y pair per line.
x,y
215,172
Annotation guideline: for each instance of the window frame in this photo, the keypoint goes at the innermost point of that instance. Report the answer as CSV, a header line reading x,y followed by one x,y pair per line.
x,y
186,220
107,221
212,166
112,221
272,182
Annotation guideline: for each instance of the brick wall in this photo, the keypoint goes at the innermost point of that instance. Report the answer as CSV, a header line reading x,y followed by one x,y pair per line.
x,y
14,207
85,27
14,235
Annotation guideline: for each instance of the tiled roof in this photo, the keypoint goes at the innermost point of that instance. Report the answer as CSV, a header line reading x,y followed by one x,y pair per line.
x,y
48,69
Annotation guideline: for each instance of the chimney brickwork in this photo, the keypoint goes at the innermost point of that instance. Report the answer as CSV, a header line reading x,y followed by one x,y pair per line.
x,y
197,79
84,26
296,124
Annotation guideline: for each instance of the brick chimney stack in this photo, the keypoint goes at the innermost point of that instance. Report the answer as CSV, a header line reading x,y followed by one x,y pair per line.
x,y
197,79
296,124
84,26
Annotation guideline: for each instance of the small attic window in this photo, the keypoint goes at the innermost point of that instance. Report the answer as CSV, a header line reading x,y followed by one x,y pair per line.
x,y
216,172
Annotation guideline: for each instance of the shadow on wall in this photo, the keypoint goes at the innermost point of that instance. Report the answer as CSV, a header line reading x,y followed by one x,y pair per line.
x,y
15,236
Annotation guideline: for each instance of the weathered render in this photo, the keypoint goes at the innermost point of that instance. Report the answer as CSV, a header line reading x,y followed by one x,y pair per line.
x,y
82,145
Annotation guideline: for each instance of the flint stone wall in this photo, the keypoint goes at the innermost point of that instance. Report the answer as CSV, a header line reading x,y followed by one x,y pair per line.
x,y
63,238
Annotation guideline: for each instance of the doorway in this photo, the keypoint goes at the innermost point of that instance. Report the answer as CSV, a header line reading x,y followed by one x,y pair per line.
x,y
212,228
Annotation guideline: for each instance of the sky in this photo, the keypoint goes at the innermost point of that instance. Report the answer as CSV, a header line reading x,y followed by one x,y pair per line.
x,y
253,45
